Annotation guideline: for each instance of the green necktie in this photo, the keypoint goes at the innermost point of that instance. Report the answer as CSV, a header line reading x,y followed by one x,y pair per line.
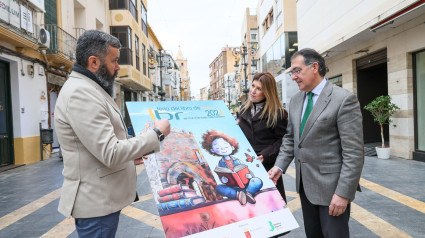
x,y
307,111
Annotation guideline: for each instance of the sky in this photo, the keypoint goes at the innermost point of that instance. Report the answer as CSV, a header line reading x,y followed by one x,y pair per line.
x,y
201,28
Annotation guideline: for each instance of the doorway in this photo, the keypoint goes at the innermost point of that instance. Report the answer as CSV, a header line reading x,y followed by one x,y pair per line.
x,y
372,81
6,129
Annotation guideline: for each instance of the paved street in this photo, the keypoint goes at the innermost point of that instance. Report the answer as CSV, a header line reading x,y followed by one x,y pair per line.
x,y
392,203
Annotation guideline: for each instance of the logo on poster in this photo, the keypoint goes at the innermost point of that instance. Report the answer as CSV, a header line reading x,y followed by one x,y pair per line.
x,y
169,115
271,226
247,233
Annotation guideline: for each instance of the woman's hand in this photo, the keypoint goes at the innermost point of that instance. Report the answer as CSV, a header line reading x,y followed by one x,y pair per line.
x,y
260,158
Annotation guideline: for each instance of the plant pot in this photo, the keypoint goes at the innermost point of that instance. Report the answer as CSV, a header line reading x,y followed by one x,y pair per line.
x,y
383,153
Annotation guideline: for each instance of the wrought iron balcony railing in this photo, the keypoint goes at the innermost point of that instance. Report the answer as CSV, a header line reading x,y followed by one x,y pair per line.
x,y
61,42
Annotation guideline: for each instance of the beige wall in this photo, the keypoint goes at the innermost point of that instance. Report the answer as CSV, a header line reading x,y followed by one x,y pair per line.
x,y
326,23
400,43
289,15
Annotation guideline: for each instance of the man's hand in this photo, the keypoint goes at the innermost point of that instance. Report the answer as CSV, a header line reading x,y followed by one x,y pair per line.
x,y
163,125
260,158
338,205
140,160
274,174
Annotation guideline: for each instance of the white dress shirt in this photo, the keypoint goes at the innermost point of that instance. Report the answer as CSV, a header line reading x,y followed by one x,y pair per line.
x,y
316,93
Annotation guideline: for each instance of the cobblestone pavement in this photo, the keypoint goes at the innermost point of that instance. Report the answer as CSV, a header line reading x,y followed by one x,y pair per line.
x,y
392,203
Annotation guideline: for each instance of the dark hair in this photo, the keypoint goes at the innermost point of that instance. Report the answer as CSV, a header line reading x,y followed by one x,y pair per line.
x,y
94,43
311,56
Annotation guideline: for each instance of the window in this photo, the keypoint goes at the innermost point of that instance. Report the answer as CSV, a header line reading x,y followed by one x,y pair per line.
x,y
136,46
144,58
144,19
123,33
279,16
336,80
124,4
268,21
271,17
254,40
133,9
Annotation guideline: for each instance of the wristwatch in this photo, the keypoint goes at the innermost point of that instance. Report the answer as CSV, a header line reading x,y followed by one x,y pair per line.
x,y
160,135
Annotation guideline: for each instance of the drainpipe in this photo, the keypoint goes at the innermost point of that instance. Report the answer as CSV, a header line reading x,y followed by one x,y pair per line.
x,y
43,52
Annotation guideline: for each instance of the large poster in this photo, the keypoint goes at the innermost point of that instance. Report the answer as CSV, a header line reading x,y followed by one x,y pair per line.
x,y
206,180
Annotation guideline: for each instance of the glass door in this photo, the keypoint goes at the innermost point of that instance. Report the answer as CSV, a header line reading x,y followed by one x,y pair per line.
x,y
419,73
6,136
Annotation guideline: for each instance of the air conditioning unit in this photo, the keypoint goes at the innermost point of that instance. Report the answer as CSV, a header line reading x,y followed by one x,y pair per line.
x,y
44,38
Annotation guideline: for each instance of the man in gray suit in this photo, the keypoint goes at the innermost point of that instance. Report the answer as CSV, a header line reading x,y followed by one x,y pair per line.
x,y
325,136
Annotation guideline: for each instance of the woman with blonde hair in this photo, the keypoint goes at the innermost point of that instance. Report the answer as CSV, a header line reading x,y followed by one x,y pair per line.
x,y
263,120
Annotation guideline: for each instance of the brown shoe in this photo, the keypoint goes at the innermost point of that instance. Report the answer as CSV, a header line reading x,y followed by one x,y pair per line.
x,y
241,197
250,198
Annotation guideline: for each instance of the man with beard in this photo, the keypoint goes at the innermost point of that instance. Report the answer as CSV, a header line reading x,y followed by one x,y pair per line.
x,y
99,161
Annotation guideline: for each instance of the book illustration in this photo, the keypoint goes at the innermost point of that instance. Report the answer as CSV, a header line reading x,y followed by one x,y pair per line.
x,y
180,166
236,177
181,203
219,144
178,195
173,189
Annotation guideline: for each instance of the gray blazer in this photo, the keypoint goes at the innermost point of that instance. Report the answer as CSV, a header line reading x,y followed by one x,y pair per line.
x,y
330,150
99,171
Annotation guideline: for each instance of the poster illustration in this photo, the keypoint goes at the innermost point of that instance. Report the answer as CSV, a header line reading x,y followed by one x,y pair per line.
x,y
206,179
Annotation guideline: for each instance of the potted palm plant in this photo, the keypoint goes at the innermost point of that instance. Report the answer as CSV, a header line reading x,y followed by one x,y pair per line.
x,y
382,109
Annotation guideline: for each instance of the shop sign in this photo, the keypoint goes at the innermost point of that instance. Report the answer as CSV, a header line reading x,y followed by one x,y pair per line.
x,y
9,12
26,19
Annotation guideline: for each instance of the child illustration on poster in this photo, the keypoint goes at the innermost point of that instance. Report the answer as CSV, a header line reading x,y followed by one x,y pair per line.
x,y
238,181
205,179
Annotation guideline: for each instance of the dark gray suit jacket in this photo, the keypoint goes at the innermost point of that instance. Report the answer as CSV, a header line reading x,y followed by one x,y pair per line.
x,y
330,150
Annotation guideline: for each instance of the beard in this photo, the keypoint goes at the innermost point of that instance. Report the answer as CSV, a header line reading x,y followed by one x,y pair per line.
x,y
106,80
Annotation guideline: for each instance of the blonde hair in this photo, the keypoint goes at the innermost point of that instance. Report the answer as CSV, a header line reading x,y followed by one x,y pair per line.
x,y
273,108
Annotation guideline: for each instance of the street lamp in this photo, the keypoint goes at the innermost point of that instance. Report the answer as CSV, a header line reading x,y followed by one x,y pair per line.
x,y
159,55
229,84
244,63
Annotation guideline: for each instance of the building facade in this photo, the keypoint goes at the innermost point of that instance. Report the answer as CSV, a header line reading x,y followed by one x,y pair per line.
x,y
220,66
248,54
127,20
184,89
374,48
37,44
277,27
203,94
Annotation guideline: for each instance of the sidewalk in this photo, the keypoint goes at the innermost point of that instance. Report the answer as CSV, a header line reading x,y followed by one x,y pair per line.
x,y
392,203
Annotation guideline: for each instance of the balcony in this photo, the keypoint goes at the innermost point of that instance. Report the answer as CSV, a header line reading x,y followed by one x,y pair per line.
x,y
62,47
19,37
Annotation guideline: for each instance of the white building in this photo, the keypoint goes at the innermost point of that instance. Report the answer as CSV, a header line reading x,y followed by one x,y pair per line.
x,y
277,28
374,48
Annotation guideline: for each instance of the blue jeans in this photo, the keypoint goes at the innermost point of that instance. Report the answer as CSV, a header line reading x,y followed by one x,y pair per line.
x,y
254,186
98,227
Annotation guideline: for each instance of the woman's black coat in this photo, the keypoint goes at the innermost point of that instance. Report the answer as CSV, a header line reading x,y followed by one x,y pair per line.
x,y
265,141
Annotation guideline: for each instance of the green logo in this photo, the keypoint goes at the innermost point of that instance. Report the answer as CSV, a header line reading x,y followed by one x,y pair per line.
x,y
271,225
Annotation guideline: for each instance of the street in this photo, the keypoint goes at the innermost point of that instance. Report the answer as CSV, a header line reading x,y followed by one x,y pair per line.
x,y
392,203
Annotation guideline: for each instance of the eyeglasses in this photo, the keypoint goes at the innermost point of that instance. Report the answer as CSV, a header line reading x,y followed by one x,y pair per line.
x,y
297,70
